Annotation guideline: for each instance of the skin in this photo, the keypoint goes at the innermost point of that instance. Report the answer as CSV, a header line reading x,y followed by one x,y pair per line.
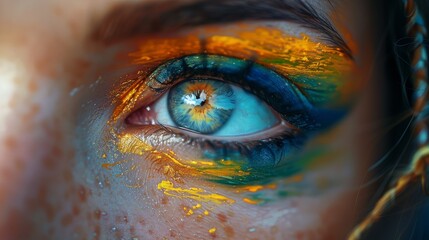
x,y
50,187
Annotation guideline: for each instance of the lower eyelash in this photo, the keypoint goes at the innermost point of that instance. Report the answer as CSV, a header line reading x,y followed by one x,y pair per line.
x,y
264,160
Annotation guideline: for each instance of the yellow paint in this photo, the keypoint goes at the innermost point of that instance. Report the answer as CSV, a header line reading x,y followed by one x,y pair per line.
x,y
202,163
109,166
250,201
262,44
212,230
295,179
131,144
127,98
196,206
190,212
192,193
206,212
287,54
104,155
254,188
257,188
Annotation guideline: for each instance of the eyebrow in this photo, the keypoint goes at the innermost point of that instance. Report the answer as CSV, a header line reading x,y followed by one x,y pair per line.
x,y
128,20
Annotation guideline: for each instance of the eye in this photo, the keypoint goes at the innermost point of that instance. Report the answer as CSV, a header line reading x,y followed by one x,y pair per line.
x,y
226,97
211,107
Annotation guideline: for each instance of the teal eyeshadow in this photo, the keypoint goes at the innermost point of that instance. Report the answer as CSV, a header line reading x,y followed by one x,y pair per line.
x,y
265,159
279,93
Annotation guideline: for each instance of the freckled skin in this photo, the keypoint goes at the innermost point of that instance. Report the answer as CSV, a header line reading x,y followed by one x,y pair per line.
x,y
47,181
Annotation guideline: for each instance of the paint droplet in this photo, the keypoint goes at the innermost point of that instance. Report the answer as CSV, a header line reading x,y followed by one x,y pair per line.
x,y
196,206
190,212
252,229
206,212
104,155
212,230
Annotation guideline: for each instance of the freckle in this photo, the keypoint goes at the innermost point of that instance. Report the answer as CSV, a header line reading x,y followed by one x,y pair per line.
x,y
222,218
47,207
49,162
229,232
164,200
150,232
75,210
10,142
299,235
33,111
142,222
66,220
132,230
97,232
118,234
33,86
82,194
173,233
97,214
67,176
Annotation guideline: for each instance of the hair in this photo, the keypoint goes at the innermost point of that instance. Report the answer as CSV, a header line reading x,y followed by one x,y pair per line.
x,y
392,215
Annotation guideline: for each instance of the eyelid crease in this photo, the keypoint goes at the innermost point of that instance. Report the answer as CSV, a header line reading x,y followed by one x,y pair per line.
x,y
152,52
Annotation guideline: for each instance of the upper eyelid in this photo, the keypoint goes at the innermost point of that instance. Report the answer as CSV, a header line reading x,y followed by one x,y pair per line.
x,y
126,21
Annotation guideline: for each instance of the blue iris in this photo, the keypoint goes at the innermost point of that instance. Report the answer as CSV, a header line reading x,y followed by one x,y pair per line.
x,y
203,106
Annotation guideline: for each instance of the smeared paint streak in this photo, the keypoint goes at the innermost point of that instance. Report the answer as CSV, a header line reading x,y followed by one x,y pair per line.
x,y
192,193
256,188
253,202
130,144
109,166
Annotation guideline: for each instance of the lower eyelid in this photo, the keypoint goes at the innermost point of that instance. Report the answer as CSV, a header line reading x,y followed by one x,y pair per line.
x,y
247,155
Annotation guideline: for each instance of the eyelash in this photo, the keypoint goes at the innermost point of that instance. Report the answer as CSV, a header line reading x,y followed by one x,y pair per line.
x,y
243,153
272,153
256,156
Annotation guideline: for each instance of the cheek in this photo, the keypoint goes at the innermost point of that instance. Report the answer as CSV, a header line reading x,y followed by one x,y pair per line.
x,y
38,190
36,182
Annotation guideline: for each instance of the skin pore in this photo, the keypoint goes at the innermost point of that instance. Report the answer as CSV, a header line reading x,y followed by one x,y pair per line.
x,y
71,168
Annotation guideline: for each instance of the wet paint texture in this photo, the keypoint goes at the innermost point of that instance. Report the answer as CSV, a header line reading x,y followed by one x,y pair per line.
x,y
302,80
192,193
